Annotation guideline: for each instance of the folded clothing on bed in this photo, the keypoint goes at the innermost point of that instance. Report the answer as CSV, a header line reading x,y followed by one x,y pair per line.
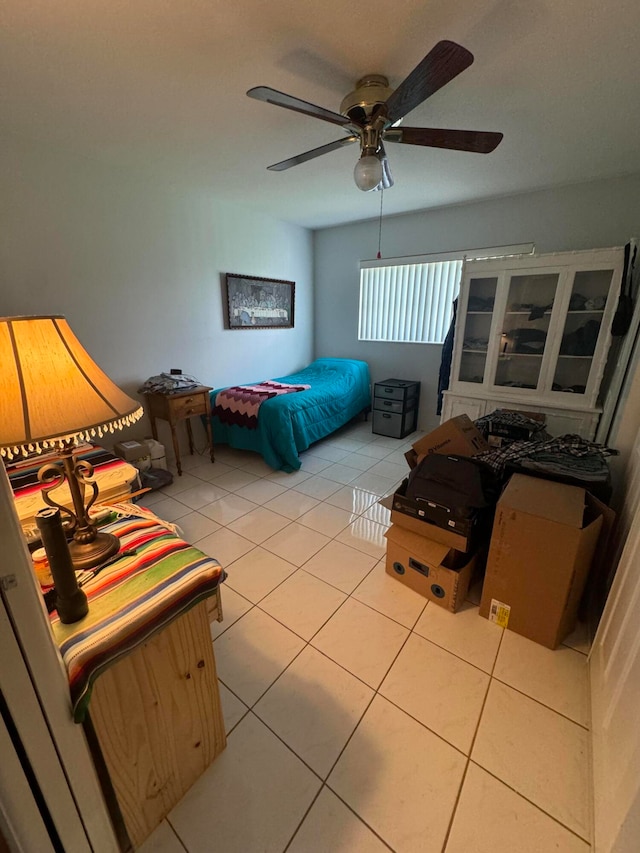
x,y
240,404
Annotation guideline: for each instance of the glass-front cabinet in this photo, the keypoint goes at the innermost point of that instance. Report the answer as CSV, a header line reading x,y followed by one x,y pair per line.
x,y
583,323
535,330
477,329
524,330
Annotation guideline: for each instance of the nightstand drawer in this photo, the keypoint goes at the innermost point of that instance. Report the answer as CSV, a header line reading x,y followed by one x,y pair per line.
x,y
182,407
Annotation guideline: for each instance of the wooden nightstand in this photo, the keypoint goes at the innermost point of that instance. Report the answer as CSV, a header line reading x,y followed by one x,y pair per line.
x,y
180,407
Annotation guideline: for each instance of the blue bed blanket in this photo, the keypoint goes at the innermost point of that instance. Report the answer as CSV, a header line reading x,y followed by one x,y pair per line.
x,y
290,423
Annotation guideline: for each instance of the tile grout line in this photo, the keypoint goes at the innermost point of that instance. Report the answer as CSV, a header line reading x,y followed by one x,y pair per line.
x,y
471,745
543,704
531,802
175,832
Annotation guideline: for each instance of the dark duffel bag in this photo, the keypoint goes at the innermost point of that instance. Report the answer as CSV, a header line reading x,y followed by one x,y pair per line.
x,y
460,483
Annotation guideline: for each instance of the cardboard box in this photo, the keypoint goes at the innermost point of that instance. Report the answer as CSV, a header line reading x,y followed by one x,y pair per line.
x,y
131,451
458,436
436,571
543,541
433,523
501,434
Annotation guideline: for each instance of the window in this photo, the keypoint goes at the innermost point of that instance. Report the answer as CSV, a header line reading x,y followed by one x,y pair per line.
x,y
409,300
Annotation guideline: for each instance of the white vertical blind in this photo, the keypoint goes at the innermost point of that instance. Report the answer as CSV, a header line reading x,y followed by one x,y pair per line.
x,y
410,303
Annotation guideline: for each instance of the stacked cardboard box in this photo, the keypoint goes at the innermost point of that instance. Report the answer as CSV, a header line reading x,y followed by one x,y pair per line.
x,y
457,435
436,560
541,546
439,573
544,539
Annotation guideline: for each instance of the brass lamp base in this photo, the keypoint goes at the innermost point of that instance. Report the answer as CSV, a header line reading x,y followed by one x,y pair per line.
x,y
87,555
88,547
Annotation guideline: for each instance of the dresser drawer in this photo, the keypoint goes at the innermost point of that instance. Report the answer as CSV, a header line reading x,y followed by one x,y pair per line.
x,y
381,404
184,407
394,425
396,389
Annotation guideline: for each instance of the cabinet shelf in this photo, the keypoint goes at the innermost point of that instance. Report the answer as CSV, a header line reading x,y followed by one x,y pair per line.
x,y
589,357
520,354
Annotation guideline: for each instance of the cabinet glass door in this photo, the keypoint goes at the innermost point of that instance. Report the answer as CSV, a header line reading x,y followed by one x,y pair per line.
x,y
581,330
525,329
482,295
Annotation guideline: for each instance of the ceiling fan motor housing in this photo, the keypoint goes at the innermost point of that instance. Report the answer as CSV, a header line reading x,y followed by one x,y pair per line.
x,y
370,92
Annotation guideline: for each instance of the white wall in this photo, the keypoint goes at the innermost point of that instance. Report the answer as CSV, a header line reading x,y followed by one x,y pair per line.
x,y
135,265
584,216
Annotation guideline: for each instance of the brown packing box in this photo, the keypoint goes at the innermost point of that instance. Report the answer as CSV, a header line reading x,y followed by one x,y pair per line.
x,y
425,528
437,572
501,434
131,451
543,541
457,435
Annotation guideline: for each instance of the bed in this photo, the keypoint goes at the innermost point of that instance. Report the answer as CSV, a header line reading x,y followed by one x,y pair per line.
x,y
289,423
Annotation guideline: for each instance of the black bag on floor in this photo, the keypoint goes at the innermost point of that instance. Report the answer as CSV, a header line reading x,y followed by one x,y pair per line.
x,y
460,483
156,478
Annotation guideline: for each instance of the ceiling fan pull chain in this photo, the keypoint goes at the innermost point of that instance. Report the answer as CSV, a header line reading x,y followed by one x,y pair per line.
x,y
379,255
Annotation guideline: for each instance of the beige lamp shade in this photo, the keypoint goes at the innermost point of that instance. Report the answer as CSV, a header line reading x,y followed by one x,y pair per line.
x,y
52,390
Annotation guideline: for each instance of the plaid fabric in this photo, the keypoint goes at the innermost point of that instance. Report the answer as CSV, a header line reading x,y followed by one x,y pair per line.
x,y
568,455
131,599
507,418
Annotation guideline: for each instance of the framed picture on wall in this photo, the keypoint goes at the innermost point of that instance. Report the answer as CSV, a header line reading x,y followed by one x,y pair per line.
x,y
259,303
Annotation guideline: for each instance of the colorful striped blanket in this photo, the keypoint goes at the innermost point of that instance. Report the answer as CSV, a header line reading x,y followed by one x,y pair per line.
x,y
112,475
239,405
132,598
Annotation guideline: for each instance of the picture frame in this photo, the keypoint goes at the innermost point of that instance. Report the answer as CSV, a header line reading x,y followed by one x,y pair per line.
x,y
259,303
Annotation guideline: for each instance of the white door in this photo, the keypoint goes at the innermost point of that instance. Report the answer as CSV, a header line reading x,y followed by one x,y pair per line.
x,y
615,688
36,704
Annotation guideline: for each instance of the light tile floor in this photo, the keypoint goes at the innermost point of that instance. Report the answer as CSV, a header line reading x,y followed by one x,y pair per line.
x,y
360,717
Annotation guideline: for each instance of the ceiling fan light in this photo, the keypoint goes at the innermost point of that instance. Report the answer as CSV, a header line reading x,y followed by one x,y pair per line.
x,y
368,172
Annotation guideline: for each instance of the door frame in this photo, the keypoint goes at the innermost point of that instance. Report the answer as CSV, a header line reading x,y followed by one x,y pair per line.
x,y
36,689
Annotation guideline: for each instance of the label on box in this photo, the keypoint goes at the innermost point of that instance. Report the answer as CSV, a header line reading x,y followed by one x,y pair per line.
x,y
499,613
131,445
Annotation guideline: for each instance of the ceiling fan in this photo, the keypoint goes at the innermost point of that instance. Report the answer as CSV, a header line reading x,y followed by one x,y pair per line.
x,y
372,113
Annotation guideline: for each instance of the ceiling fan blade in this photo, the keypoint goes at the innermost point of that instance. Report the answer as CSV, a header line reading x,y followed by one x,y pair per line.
x,y
280,99
310,155
480,141
444,62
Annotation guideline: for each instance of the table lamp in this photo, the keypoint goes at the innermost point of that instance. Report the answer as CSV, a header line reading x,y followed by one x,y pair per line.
x,y
53,394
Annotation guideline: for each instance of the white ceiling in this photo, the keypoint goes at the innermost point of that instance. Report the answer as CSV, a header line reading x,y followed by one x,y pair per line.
x,y
159,85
